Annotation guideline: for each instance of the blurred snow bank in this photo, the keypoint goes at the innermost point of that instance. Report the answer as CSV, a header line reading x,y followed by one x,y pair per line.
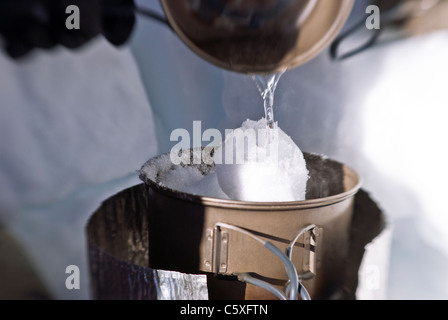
x,y
70,122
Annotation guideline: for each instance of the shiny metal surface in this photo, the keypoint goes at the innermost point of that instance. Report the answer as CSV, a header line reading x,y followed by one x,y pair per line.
x,y
119,269
172,285
180,224
257,36
117,236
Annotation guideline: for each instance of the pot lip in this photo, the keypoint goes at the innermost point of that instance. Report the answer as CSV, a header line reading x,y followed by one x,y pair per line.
x,y
259,206
250,205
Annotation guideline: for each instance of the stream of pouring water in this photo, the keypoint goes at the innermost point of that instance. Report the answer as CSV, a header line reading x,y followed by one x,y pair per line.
x,y
267,84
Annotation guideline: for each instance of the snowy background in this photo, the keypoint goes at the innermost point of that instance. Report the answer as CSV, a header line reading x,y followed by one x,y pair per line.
x,y
76,125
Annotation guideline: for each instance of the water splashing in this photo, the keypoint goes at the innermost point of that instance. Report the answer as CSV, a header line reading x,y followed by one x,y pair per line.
x,y
267,84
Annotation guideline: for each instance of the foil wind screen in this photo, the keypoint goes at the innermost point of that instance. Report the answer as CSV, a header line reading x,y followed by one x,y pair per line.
x,y
118,255
118,251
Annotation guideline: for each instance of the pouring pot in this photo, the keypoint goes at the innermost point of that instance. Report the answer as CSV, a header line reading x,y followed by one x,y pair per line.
x,y
257,36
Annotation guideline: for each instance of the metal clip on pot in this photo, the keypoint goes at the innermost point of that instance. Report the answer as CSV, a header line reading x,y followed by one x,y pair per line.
x,y
217,250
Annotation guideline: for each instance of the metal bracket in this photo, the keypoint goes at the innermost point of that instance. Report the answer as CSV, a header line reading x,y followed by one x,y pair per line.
x,y
312,253
216,249
217,242
208,256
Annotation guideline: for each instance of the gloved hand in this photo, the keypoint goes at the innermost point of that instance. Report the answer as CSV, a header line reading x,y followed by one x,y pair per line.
x,y
28,24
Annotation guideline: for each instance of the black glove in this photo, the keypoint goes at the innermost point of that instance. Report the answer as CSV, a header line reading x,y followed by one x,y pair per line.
x,y
28,24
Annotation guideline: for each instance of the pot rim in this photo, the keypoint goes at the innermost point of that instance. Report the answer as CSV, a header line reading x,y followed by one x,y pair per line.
x,y
259,206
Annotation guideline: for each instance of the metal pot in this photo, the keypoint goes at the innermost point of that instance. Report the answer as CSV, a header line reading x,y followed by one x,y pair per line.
x,y
187,232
